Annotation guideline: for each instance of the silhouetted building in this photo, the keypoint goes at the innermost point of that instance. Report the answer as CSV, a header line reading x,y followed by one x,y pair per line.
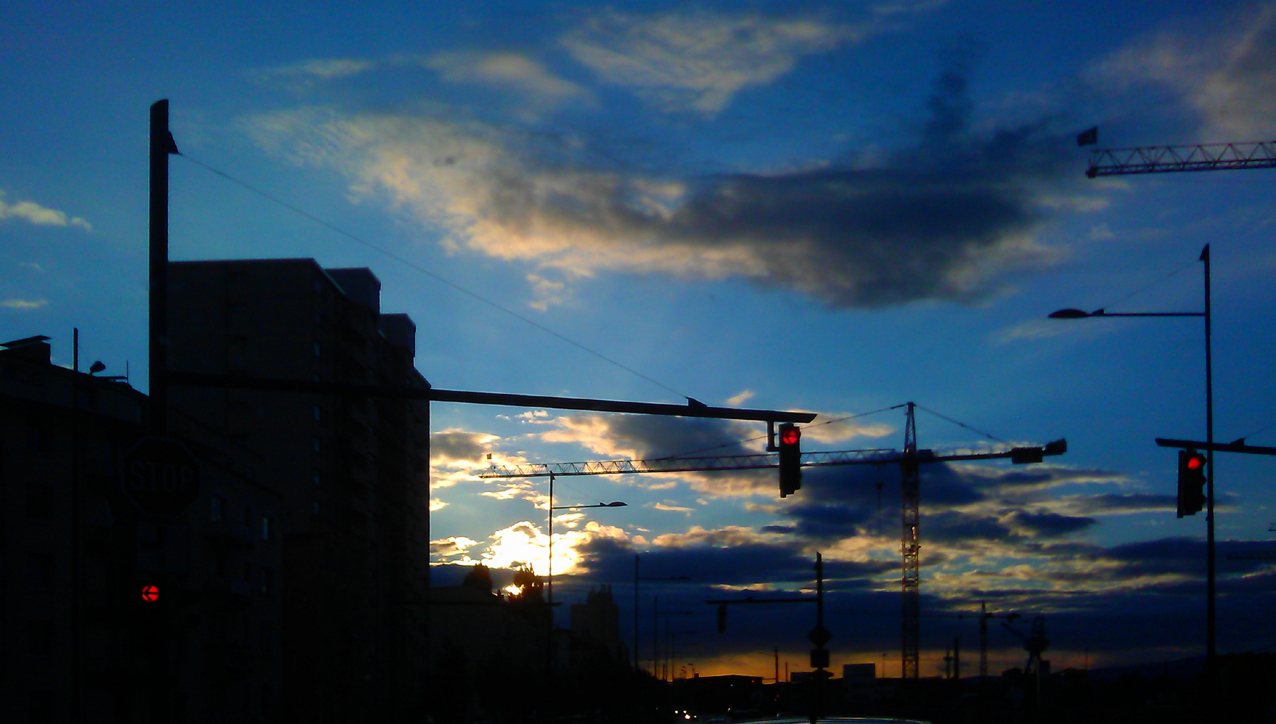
x,y
47,414
76,553
351,471
597,623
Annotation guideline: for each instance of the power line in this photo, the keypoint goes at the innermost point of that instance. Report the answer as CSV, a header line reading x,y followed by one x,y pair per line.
x,y
1153,283
423,270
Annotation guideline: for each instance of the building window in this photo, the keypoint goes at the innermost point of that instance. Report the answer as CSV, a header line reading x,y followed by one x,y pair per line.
x,y
318,351
318,480
39,501
316,507
40,637
37,436
318,415
40,710
40,571
267,637
266,524
217,511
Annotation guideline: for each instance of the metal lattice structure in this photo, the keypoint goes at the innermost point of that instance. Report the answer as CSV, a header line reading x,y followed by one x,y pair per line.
x,y
682,465
1171,159
910,547
910,461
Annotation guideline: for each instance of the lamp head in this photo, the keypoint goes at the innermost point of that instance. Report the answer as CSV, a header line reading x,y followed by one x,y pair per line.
x,y
1069,314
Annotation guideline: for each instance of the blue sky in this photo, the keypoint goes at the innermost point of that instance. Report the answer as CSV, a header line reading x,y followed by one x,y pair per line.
x,y
835,207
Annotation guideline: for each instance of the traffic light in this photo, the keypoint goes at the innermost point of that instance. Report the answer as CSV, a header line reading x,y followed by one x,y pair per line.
x,y
790,459
1191,482
151,597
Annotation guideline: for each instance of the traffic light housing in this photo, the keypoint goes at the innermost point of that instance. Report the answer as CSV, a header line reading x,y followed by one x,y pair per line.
x,y
790,459
1191,497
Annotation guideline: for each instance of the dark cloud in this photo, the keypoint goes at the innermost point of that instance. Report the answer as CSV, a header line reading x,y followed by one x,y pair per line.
x,y
946,217
1126,503
952,528
937,220
457,445
655,437
1046,524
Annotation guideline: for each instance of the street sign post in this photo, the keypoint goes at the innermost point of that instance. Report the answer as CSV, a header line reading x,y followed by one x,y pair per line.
x,y
161,477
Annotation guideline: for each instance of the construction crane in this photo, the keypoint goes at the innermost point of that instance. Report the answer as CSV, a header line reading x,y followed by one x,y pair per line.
x,y
1171,159
1035,643
909,459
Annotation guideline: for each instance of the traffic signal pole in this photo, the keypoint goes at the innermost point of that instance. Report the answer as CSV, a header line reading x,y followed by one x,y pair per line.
x,y
1210,650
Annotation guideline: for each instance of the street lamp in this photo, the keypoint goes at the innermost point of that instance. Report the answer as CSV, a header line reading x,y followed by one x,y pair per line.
x,y
549,579
1210,651
549,566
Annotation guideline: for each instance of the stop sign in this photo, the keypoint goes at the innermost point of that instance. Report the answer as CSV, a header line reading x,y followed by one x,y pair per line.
x,y
160,476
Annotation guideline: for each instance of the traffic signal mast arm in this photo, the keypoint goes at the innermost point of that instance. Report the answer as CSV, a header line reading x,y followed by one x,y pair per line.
x,y
1236,447
876,456
1170,159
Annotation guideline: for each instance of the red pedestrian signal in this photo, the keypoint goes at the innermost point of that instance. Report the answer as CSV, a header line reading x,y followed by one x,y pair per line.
x,y
790,459
1191,489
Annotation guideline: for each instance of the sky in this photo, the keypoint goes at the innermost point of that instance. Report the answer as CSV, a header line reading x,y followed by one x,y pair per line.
x,y
836,207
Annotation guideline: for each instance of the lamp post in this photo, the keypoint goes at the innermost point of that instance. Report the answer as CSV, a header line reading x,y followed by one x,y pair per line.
x,y
549,581
636,580
1210,651
549,566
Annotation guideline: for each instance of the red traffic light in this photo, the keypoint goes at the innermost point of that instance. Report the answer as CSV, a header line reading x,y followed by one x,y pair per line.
x,y
790,436
1195,461
150,593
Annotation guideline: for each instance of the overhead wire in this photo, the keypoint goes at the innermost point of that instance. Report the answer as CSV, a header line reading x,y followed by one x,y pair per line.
x,y
975,430
437,277
1153,283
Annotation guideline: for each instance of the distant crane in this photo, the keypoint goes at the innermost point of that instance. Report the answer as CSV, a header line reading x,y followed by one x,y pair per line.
x,y
983,615
1035,643
909,460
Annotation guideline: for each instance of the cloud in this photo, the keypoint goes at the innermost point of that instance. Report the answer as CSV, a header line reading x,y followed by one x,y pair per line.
x,y
740,399
33,213
306,74
674,508
948,218
511,71
24,305
1227,76
698,60
646,437
455,447
451,547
